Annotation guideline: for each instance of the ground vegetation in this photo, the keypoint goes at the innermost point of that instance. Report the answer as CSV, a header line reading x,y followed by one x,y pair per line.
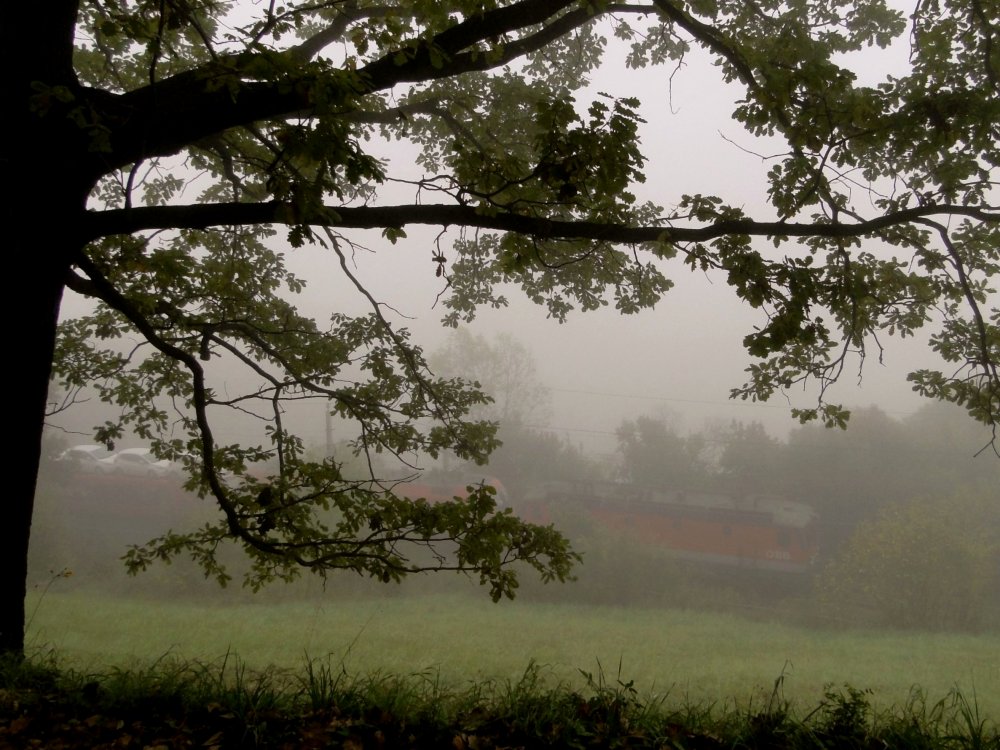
x,y
198,705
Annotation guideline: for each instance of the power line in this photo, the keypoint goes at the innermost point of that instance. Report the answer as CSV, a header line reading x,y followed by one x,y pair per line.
x,y
645,397
729,402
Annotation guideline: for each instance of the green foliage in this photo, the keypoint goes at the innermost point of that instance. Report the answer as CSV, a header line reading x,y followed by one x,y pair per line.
x,y
186,131
654,454
848,477
924,564
750,459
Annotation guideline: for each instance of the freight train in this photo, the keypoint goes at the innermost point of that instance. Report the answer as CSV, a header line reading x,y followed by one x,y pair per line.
x,y
752,531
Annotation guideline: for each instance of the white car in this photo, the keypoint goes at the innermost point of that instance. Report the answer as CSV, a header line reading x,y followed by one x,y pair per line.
x,y
88,459
140,462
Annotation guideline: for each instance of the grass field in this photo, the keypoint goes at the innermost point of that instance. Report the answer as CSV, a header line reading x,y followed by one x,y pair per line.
x,y
692,658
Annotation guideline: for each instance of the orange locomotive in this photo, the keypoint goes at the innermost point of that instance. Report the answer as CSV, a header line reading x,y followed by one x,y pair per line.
x,y
762,532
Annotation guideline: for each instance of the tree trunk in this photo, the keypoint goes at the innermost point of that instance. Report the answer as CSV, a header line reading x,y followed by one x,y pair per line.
x,y
37,259
30,343
46,159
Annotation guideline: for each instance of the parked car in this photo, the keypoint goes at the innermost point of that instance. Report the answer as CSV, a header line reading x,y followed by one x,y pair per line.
x,y
88,459
140,462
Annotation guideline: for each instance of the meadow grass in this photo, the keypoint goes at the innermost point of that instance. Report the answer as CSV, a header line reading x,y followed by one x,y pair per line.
x,y
681,658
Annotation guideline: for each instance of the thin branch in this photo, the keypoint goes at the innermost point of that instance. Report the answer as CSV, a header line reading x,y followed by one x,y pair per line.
x,y
958,264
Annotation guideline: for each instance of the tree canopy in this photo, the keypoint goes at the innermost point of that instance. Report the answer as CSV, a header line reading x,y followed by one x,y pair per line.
x,y
177,148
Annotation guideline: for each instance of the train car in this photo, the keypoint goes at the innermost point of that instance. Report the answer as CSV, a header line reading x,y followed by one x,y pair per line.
x,y
761,532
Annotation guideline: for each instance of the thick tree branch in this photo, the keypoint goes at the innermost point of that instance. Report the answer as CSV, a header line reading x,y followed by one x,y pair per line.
x,y
309,48
711,38
202,216
425,66
163,118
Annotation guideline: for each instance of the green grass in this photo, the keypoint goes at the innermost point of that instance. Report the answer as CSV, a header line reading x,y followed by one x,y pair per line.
x,y
176,703
679,657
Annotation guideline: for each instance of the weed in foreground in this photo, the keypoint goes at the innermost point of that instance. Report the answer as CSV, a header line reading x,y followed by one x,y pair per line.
x,y
224,704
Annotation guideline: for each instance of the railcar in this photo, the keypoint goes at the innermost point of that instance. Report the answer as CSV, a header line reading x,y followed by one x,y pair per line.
x,y
751,531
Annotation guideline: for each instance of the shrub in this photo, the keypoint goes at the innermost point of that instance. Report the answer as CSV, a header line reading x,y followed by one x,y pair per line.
x,y
928,564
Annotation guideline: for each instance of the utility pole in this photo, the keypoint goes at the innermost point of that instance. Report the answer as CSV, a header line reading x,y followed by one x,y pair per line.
x,y
329,431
